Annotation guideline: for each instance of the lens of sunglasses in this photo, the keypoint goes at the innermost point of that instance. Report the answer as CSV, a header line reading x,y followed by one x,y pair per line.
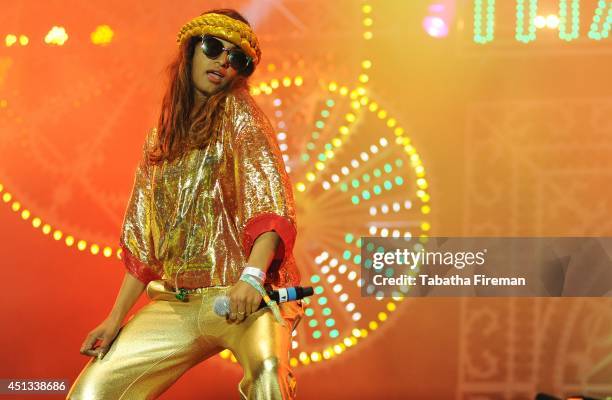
x,y
213,47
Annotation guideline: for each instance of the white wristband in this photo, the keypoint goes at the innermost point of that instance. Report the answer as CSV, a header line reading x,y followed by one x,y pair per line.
x,y
254,271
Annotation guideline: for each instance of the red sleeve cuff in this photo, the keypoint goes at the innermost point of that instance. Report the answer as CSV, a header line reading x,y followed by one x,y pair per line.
x,y
270,222
137,268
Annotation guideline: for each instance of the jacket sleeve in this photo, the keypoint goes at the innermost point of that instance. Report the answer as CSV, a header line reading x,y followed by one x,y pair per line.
x,y
136,239
264,197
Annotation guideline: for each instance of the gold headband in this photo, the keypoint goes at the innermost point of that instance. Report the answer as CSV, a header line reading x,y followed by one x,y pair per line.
x,y
224,27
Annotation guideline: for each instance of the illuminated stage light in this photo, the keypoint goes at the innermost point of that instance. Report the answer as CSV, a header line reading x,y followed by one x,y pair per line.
x,y
562,20
23,40
487,37
435,27
56,36
552,21
10,40
530,35
102,36
596,32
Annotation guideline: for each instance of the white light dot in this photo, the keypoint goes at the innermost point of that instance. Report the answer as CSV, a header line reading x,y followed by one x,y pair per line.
x,y
374,149
384,232
356,316
343,297
278,113
396,206
342,269
384,208
282,125
407,204
281,136
325,269
326,185
283,146
277,102
380,295
294,344
337,287
383,142
333,262
335,178
407,235
344,170
396,233
331,278
350,307
372,210
354,163
360,282
352,275
372,230
364,156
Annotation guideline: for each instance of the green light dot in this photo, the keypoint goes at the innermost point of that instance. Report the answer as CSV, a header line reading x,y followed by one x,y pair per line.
x,y
327,311
357,259
366,177
315,278
330,103
319,124
315,135
310,146
366,195
325,113
387,185
399,180
387,168
316,334
322,300
343,187
330,322
348,238
355,183
334,333
355,200
309,312
328,146
305,157
376,189
389,272
318,289
313,322
399,162
370,247
346,254
322,157
377,173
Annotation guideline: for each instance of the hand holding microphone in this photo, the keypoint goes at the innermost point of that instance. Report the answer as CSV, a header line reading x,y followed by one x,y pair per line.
x,y
248,295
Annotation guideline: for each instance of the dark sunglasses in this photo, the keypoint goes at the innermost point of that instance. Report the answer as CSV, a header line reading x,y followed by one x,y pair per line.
x,y
213,47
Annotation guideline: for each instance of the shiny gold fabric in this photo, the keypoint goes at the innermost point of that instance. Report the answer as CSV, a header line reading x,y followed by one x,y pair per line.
x,y
192,222
167,337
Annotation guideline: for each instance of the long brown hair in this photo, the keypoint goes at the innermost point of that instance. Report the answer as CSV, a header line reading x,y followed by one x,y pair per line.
x,y
177,133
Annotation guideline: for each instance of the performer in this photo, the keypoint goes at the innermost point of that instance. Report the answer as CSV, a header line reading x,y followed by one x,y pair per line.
x,y
211,213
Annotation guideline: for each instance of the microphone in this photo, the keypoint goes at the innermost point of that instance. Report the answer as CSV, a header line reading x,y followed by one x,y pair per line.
x,y
282,295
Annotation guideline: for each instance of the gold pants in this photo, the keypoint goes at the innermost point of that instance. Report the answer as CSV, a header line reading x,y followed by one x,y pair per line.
x,y
167,337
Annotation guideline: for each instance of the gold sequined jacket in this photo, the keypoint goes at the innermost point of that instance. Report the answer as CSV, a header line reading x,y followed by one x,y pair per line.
x,y
192,222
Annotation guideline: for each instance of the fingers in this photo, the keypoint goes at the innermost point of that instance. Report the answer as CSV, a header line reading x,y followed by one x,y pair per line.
x,y
87,346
